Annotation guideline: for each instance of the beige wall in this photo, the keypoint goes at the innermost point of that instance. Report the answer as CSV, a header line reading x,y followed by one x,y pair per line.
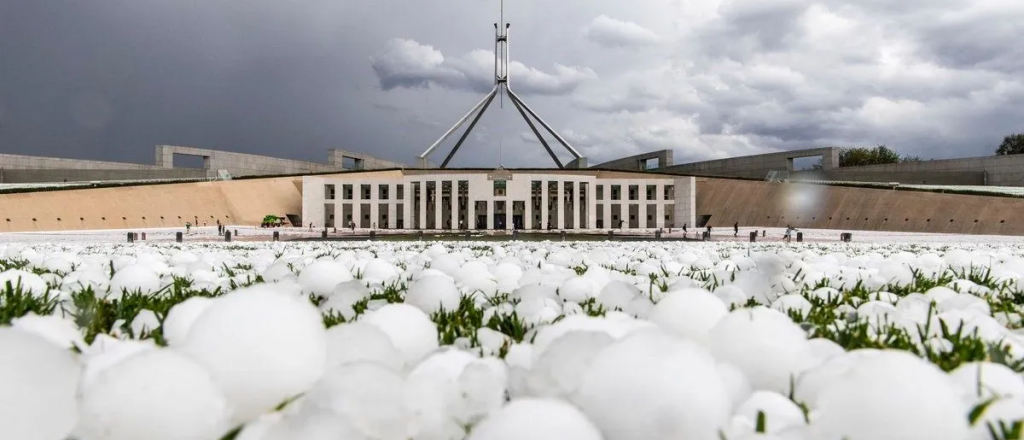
x,y
151,206
755,203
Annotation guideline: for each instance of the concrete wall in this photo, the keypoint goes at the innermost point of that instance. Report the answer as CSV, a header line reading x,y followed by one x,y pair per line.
x,y
998,170
21,162
74,175
364,161
239,164
764,204
686,201
914,177
757,166
151,206
636,163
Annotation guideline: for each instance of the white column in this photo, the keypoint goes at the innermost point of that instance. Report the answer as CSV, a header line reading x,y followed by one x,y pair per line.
x,y
423,204
528,215
438,223
392,209
607,208
357,216
560,205
659,213
641,213
592,205
407,204
576,204
544,204
470,205
509,204
374,203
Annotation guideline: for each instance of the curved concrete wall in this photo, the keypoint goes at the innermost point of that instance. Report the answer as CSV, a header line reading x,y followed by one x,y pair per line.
x,y
151,206
764,204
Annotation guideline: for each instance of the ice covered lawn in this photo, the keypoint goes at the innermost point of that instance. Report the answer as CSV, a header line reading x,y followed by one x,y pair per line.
x,y
559,341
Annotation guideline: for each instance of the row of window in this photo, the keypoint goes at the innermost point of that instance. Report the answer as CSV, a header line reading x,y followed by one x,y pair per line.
x,y
499,189
668,192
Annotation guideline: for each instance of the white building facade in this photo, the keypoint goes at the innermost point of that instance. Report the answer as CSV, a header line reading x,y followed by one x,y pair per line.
x,y
452,199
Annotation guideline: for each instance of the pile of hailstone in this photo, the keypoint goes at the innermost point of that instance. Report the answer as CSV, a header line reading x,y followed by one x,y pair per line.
x,y
673,362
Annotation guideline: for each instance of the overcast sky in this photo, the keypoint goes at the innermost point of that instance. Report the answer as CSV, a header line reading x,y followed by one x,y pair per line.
x,y
110,79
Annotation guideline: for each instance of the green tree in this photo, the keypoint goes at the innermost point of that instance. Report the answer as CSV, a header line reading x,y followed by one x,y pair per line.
x,y
1012,144
858,156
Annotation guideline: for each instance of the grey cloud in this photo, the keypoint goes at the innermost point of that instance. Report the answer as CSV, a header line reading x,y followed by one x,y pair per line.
x,y
406,63
609,32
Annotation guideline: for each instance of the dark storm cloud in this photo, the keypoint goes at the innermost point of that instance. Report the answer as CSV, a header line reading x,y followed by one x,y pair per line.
x,y
109,79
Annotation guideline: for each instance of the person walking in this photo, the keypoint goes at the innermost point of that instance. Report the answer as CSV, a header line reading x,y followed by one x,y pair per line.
x,y
736,229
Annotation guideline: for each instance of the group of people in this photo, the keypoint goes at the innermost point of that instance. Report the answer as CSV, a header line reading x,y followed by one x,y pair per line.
x,y
788,236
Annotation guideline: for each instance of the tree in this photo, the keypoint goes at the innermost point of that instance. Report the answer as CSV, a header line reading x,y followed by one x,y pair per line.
x,y
1012,144
858,156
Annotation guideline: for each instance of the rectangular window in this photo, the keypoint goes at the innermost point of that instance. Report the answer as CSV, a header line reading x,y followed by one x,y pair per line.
x,y
346,192
616,192
634,192
400,189
670,192
652,192
600,192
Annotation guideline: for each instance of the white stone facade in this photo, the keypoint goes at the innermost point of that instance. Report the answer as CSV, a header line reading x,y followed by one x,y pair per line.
x,y
479,199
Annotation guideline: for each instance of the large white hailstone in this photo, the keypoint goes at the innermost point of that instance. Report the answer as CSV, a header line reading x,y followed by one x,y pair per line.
x,y
134,278
967,303
446,263
824,348
779,412
894,395
556,373
60,331
181,317
277,271
536,311
83,278
508,271
473,269
792,302
412,332
261,345
380,271
731,296
359,341
468,387
616,328
145,321
368,395
491,341
536,419
344,297
617,294
979,381
313,425
760,436
652,385
432,294
39,381
765,344
735,381
322,276
689,313
28,281
107,351
576,289
157,394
